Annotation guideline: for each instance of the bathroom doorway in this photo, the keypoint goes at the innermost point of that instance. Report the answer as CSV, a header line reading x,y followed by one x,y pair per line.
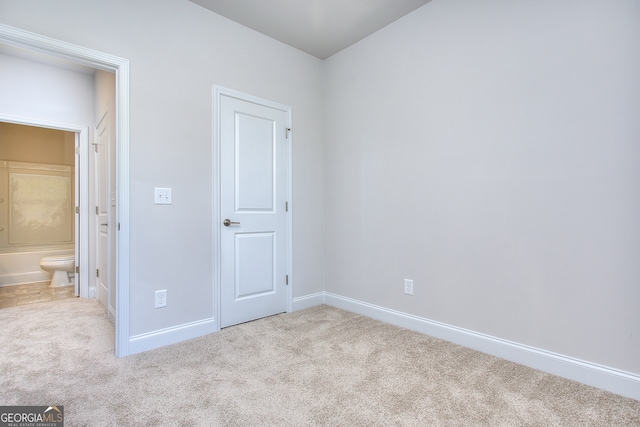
x,y
68,53
39,200
43,160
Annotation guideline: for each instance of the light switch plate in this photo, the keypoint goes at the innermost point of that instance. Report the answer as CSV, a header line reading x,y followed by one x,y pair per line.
x,y
163,196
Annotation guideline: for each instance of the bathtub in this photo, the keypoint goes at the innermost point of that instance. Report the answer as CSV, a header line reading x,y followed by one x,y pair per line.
x,y
24,267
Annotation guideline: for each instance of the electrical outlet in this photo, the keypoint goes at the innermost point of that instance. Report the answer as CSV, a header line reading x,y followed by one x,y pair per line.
x,y
162,196
161,298
408,286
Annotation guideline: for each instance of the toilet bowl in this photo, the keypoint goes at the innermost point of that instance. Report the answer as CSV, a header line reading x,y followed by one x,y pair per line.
x,y
59,267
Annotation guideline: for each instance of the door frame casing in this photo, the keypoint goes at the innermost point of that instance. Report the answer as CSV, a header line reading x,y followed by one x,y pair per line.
x,y
120,66
218,93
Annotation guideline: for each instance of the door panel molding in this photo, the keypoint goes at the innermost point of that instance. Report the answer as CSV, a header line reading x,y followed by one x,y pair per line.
x,y
261,241
218,93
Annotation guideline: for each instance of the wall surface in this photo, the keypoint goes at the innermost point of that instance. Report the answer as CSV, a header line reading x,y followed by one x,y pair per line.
x,y
177,52
32,89
486,150
489,151
30,144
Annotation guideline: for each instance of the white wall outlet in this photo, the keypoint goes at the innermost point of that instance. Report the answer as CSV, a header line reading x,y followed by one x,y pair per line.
x,y
163,196
408,286
161,298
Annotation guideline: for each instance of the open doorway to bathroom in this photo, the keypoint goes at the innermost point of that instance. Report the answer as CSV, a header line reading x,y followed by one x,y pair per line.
x,y
39,226
58,184
64,105
22,100
87,96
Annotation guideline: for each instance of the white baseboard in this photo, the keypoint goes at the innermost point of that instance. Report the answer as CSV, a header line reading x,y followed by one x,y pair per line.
x,y
610,379
162,337
307,301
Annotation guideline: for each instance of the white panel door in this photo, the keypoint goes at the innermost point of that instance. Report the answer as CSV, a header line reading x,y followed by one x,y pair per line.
x,y
102,209
253,233
76,202
111,179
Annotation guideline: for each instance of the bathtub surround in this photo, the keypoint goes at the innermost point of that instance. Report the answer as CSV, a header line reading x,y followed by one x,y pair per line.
x,y
37,200
37,218
37,208
24,267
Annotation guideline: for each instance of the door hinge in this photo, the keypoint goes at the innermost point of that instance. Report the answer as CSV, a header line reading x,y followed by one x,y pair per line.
x,y
97,210
118,226
77,209
286,206
286,280
78,150
77,269
97,272
287,133
95,147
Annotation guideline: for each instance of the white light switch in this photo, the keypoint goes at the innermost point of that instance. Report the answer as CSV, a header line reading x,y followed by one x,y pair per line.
x,y
163,196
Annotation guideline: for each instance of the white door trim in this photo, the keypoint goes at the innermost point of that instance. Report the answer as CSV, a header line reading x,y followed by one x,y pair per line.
x,y
92,58
218,92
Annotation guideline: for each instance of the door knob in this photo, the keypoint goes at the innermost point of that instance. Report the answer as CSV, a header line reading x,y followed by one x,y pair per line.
x,y
227,222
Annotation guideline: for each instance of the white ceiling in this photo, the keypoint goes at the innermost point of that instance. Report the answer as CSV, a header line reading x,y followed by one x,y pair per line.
x,y
318,27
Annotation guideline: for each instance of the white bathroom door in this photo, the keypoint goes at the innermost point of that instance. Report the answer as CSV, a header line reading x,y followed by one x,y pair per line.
x,y
253,210
102,209
77,193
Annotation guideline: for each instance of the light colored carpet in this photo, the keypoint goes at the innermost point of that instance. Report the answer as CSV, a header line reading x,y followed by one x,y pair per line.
x,y
317,367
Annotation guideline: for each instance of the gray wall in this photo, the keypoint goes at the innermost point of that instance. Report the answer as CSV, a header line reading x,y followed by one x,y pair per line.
x,y
32,89
487,150
490,151
177,52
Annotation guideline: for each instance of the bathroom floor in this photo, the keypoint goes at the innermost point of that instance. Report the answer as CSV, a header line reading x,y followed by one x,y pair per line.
x,y
29,293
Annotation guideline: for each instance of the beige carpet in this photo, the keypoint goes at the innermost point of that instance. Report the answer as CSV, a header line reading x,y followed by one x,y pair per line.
x,y
320,366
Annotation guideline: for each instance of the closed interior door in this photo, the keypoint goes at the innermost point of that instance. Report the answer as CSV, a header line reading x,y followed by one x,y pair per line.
x,y
253,208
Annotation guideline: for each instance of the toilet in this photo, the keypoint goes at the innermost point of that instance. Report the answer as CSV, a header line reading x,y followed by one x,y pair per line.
x,y
59,267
